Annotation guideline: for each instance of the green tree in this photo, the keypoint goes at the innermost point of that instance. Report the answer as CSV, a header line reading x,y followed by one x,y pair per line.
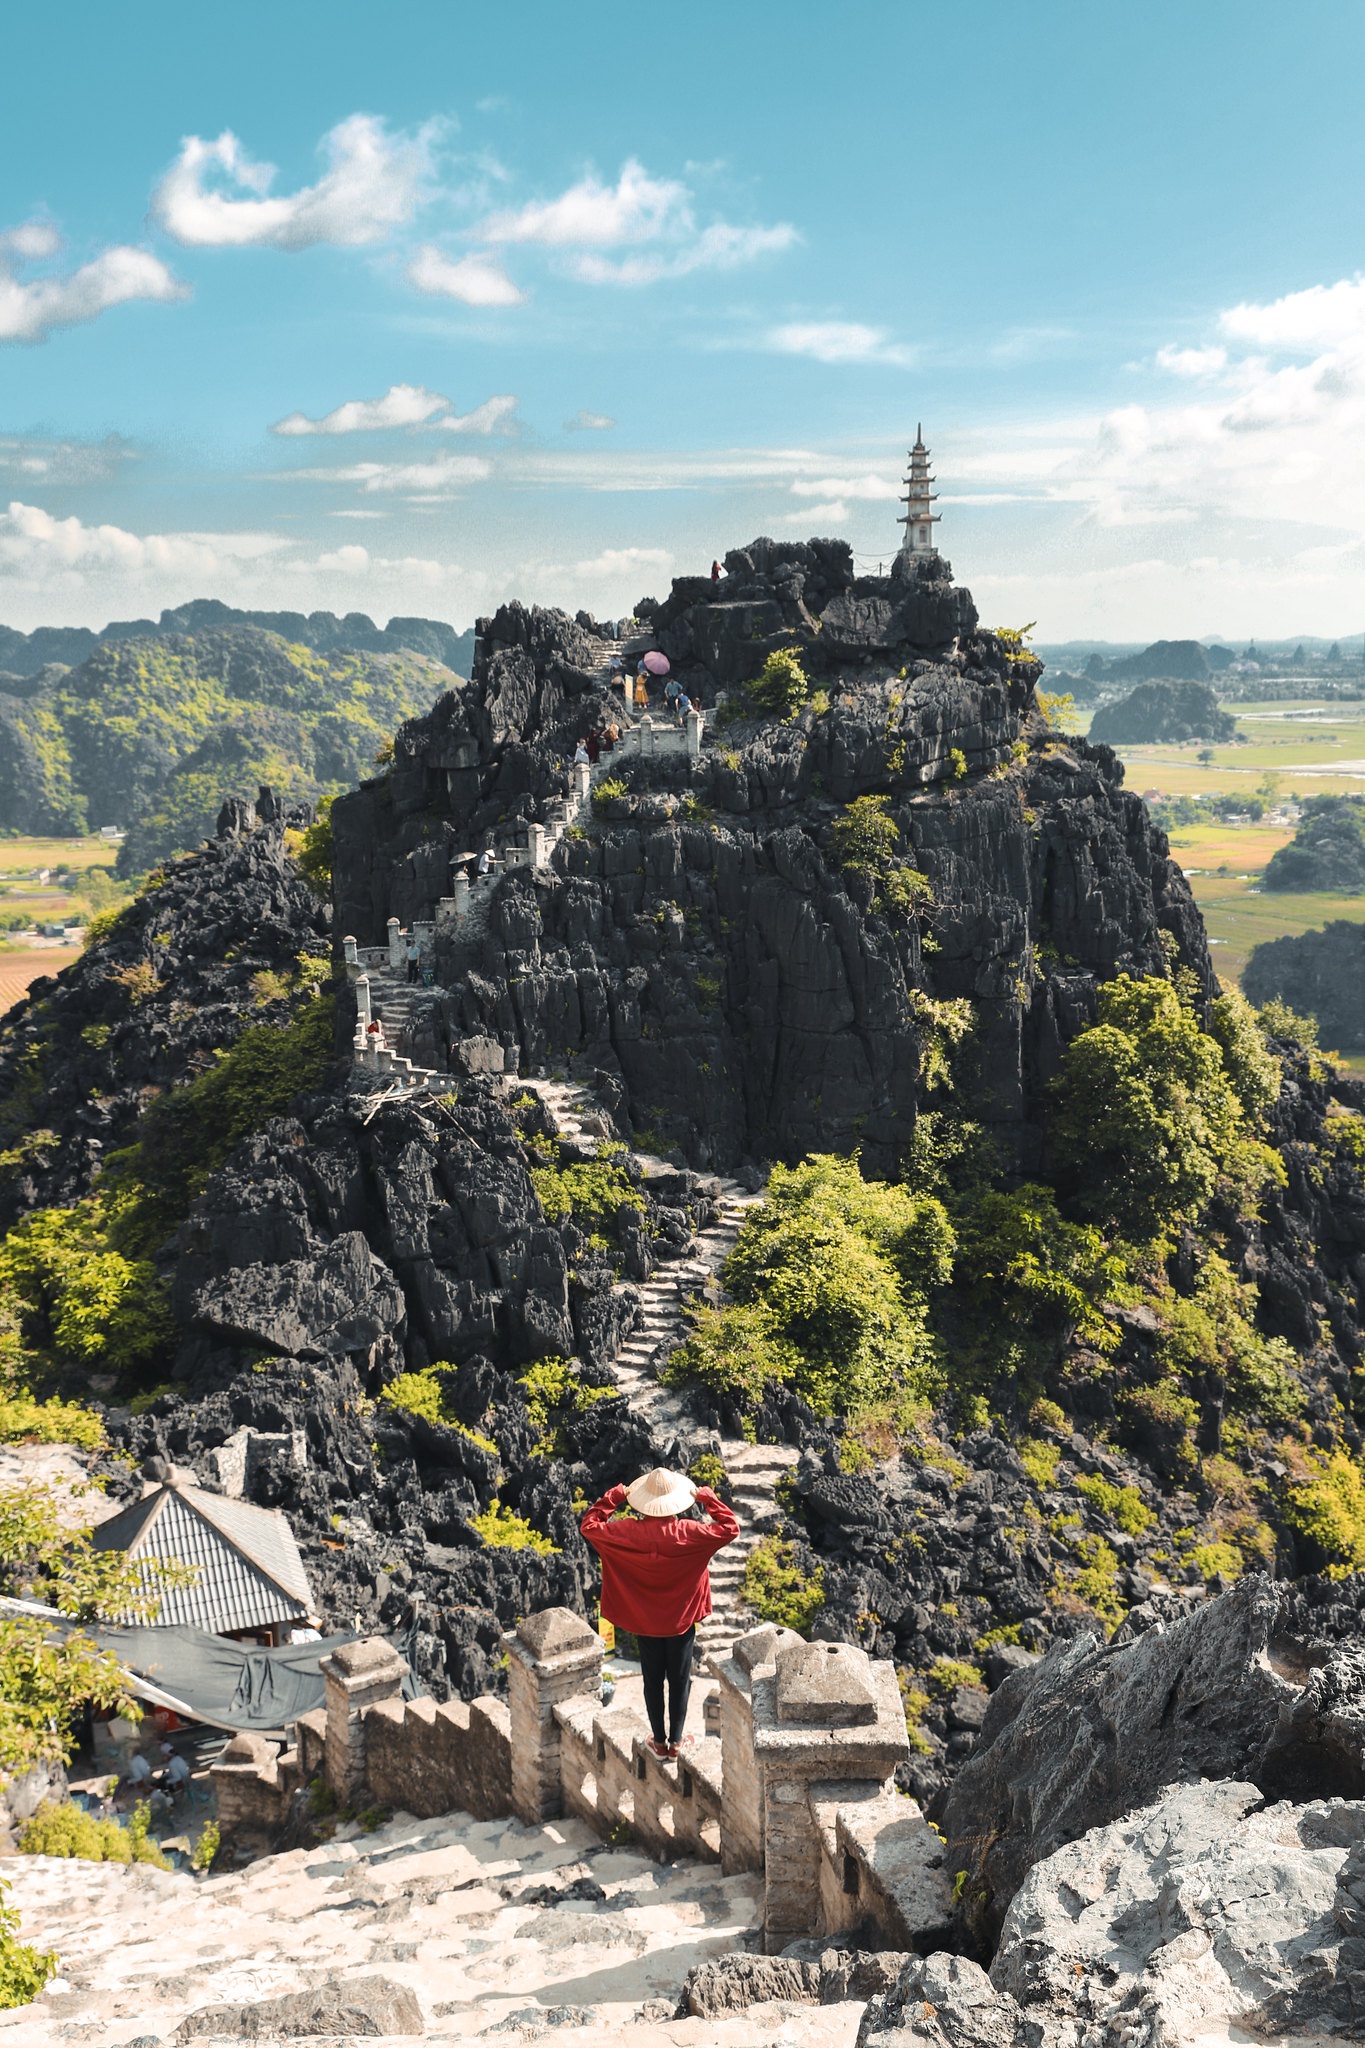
x,y
1146,1122
836,1273
1252,1069
867,841
781,685
46,1673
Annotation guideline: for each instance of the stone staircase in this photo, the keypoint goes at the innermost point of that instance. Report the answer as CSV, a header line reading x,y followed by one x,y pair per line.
x,y
754,1469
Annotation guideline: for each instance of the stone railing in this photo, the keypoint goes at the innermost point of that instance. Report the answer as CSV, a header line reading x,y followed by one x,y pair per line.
x,y
794,1777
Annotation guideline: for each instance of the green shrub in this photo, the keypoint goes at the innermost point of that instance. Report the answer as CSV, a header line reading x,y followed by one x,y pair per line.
x,y
781,686
206,1848
423,1393
1253,1071
866,841
65,1829
501,1529
708,1470
24,1420
555,1392
1146,1123
1123,1505
1217,1559
23,1969
608,791
1095,1583
313,849
777,1589
835,1274
1212,1332
1038,1460
79,1298
948,1673
1327,1512
594,1192
1277,1020
1017,1253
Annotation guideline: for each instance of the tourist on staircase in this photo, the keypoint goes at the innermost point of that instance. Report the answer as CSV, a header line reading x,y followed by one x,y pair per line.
x,y
656,1582
414,958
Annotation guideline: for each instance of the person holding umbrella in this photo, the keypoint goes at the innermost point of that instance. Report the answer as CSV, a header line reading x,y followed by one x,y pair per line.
x,y
656,1582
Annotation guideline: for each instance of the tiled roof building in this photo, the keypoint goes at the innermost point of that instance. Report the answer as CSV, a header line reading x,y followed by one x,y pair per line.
x,y
250,1577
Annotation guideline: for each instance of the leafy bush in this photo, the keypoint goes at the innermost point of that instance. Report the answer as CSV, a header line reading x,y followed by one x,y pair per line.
x,y
1020,1256
140,980
501,1529
24,1420
948,1673
1095,1582
313,849
608,791
1277,1020
1327,1512
23,1969
1146,1123
65,1829
777,1589
1123,1505
1253,1071
554,1392
79,1298
831,1279
781,685
1039,1461
867,841
708,1470
207,1847
594,1192
1211,1335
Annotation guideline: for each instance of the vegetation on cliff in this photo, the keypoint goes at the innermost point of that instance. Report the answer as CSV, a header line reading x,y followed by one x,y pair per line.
x,y
154,734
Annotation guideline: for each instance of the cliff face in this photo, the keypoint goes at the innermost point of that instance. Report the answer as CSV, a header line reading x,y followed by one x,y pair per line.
x,y
742,988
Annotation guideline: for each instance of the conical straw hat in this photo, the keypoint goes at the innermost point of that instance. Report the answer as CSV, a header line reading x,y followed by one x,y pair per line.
x,y
661,1492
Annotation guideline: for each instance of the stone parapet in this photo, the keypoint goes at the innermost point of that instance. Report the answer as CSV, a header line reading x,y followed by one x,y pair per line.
x,y
427,1759
741,1822
552,1656
358,1675
824,1711
254,1783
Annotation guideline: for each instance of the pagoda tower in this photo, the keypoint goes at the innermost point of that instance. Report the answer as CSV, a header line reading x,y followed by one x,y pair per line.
x,y
920,518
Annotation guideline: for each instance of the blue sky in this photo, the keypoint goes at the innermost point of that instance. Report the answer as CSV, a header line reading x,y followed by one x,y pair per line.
x,y
413,309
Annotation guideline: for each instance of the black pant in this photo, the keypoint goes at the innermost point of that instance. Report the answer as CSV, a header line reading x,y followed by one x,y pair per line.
x,y
667,1657
413,966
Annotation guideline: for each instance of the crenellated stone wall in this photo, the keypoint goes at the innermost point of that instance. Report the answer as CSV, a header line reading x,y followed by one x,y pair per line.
x,y
794,1777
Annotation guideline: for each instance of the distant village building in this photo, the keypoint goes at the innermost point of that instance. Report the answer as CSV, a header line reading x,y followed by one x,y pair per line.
x,y
250,1581
919,518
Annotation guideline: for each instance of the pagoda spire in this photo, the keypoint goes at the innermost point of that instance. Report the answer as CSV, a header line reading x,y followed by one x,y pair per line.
x,y
919,498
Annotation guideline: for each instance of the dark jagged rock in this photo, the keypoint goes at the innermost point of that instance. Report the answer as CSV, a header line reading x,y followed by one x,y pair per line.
x,y
147,1006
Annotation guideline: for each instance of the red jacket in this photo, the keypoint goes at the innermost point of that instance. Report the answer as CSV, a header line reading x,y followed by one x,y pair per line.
x,y
655,1580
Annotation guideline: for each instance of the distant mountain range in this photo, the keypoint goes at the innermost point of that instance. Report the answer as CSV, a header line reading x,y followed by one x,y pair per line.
x,y
24,654
151,729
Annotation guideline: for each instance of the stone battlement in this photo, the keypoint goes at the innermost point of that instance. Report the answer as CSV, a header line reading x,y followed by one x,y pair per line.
x,y
796,1780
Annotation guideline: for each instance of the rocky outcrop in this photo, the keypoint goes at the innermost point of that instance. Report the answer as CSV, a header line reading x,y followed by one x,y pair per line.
x,y
1317,974
366,2005
1168,713
1095,1730
182,972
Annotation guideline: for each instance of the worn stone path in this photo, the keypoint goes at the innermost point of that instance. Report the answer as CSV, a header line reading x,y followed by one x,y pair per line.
x,y
754,1469
477,1921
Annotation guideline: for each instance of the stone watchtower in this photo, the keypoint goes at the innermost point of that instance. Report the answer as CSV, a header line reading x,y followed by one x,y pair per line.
x,y
919,518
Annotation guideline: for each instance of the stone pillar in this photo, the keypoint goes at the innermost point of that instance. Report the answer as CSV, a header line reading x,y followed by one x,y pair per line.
x,y
694,735
395,944
553,1656
582,781
825,1712
536,834
646,732
351,958
362,999
460,889
741,1819
358,1676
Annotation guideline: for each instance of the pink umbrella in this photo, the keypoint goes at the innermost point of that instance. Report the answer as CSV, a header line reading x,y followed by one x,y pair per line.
x,y
656,663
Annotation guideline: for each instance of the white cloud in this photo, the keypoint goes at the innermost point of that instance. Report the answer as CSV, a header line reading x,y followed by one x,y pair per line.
x,y
493,416
874,487
589,423
838,341
30,311
477,280
30,242
716,248
35,545
833,513
618,561
403,405
29,459
437,477
1323,317
374,183
637,210
591,215
1192,362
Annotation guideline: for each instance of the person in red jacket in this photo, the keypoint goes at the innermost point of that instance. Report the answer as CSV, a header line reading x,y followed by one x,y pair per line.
x,y
656,1582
